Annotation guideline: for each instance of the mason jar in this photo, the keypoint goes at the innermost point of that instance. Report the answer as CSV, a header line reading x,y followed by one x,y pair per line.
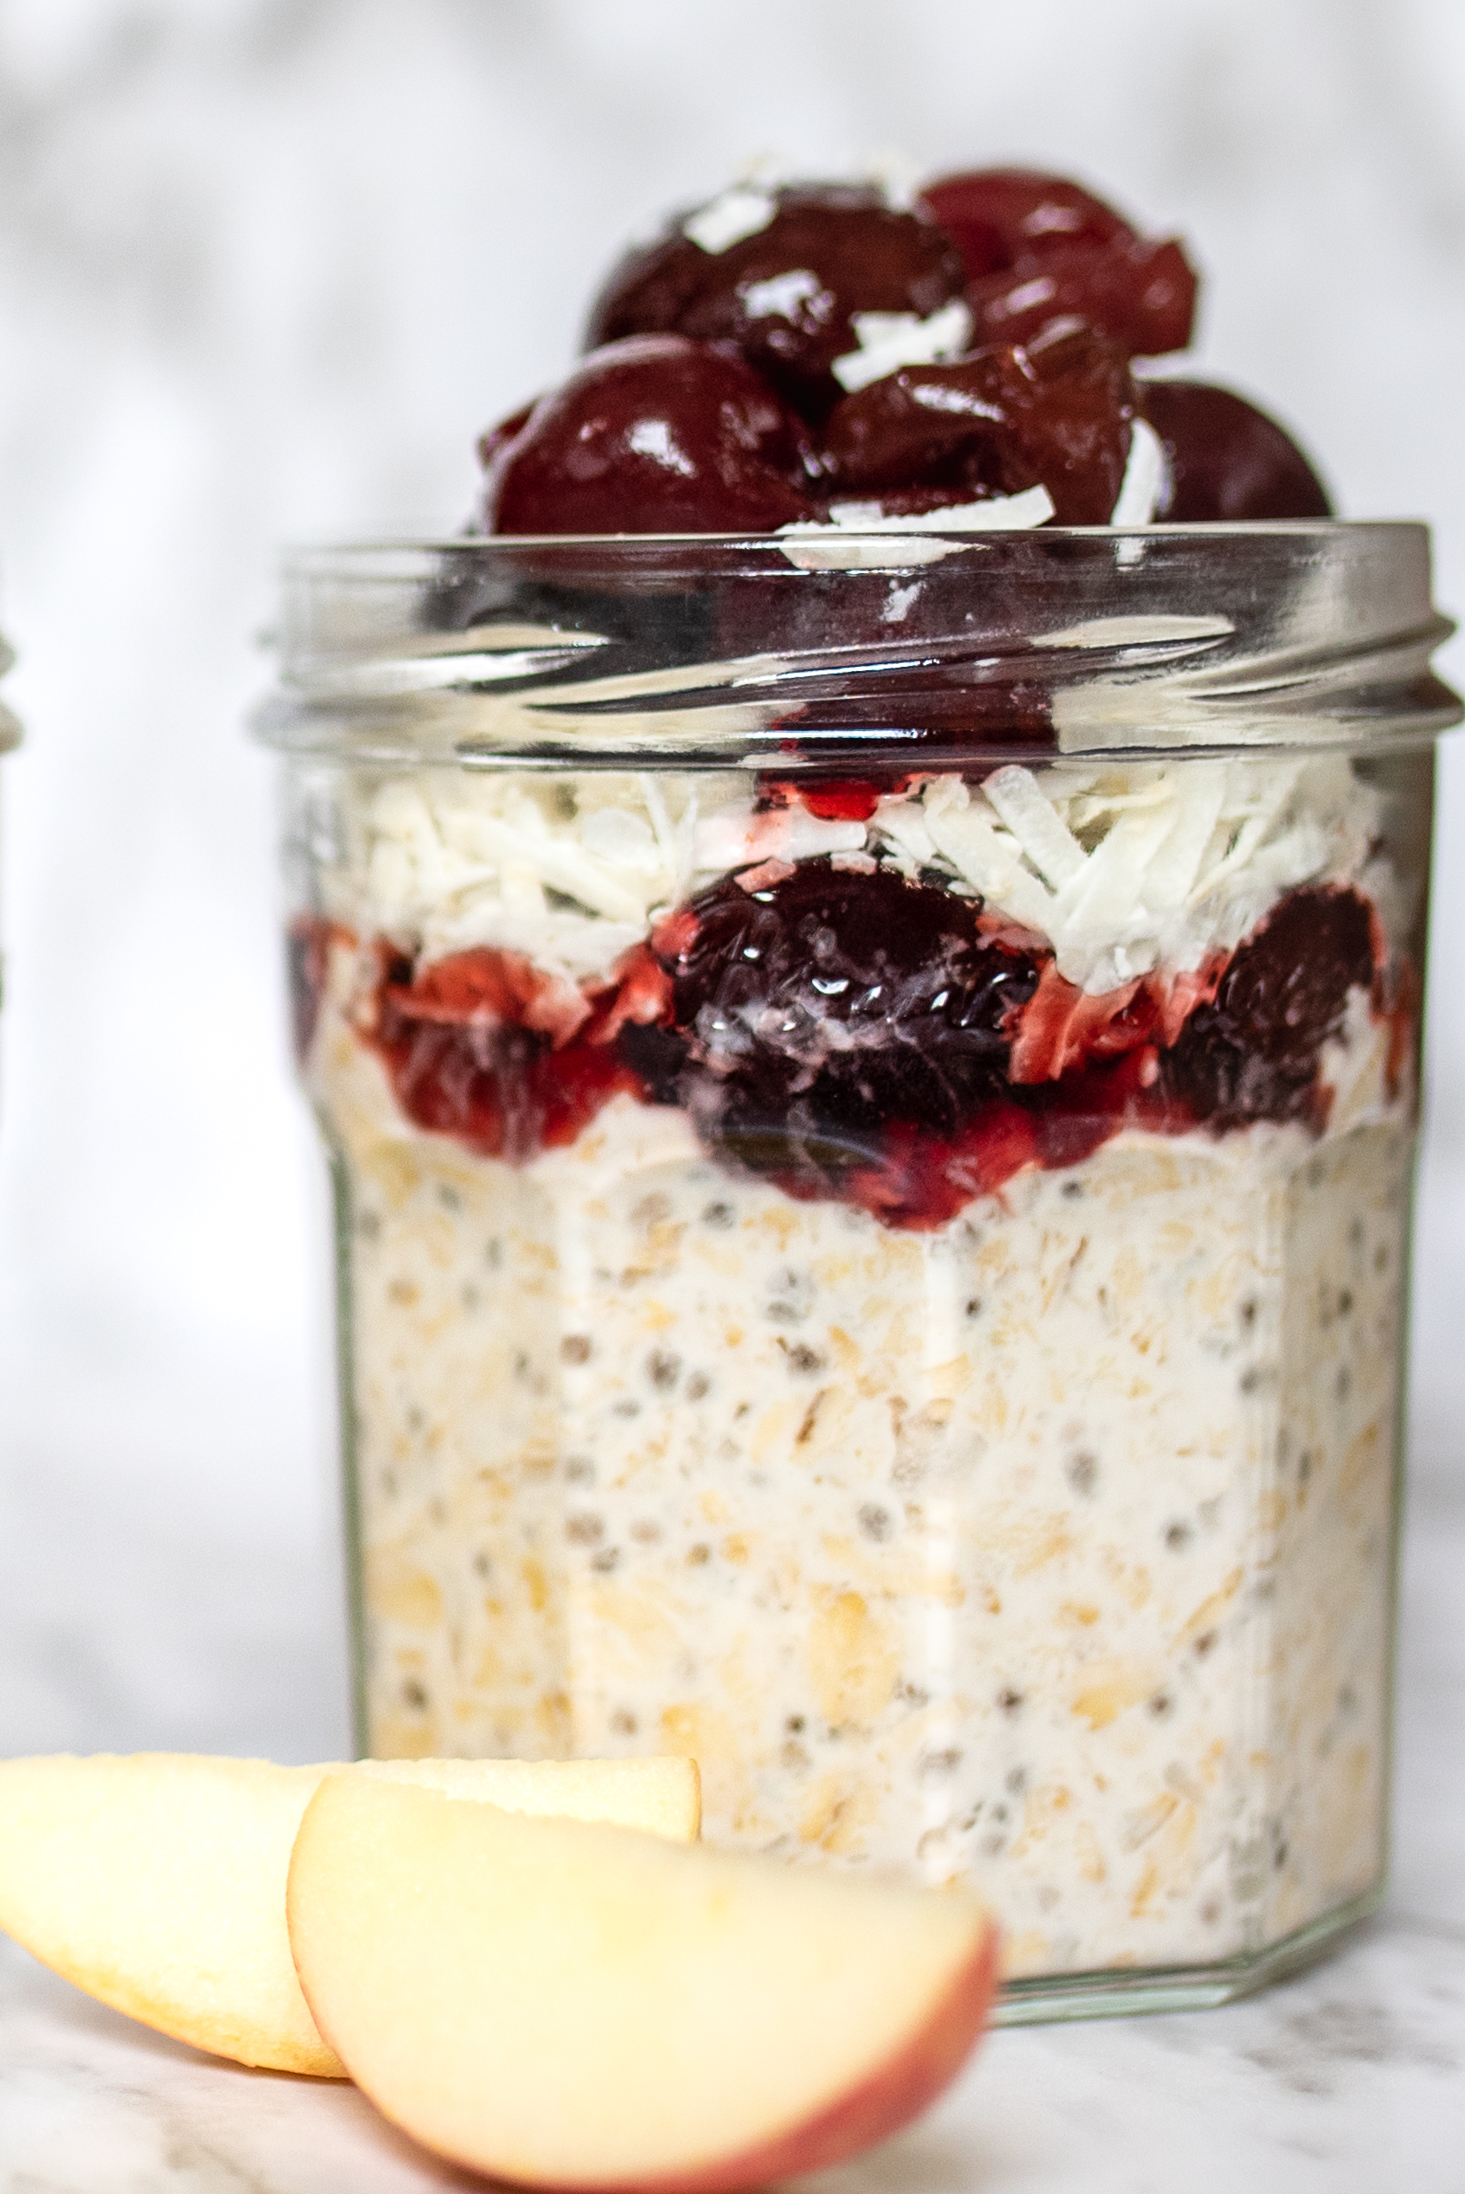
x,y
10,728
871,1090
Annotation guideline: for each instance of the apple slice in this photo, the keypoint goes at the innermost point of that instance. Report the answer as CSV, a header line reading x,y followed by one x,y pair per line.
x,y
575,2006
157,1882
661,1796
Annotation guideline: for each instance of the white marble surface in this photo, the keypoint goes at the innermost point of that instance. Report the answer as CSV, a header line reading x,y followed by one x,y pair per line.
x,y
1348,2081
266,267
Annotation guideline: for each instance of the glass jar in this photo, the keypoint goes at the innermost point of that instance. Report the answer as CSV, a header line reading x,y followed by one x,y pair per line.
x,y
10,728
871,1087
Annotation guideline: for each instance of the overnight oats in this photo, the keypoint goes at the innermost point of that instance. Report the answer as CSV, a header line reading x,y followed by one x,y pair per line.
x,y
869,1059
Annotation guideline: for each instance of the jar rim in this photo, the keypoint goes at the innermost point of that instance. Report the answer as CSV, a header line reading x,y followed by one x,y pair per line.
x,y
840,645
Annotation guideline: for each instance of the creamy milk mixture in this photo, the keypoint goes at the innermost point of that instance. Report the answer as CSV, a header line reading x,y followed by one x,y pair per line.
x,y
1050,1548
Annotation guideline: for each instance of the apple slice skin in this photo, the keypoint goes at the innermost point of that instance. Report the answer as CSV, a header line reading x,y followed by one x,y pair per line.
x,y
156,1881
692,2022
890,2099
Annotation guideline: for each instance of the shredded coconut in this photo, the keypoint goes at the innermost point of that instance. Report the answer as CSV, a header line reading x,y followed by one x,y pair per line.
x,y
1152,865
1124,868
1146,473
781,296
890,340
851,541
739,212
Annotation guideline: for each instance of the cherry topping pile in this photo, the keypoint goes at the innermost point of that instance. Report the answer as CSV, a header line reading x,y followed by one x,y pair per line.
x,y
1006,220
786,296
778,352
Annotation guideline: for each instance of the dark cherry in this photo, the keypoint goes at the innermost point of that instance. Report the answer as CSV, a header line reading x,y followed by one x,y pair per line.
x,y
1227,459
1001,420
1073,420
656,1056
1140,293
1004,217
822,1006
926,431
508,430
1253,1053
786,294
1038,248
654,435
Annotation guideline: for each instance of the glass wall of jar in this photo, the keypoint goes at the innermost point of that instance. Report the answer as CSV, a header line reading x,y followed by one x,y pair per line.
x,y
871,1087
10,729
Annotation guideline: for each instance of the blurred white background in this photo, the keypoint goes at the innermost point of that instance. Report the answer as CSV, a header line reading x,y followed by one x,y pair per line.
x,y
266,268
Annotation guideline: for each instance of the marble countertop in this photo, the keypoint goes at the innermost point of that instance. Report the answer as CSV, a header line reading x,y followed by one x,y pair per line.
x,y
1348,2080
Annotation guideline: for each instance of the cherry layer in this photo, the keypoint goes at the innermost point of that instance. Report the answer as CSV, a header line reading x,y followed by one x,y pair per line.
x,y
849,1035
1226,459
652,435
787,294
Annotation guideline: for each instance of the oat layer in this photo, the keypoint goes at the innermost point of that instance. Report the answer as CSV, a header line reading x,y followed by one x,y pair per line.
x,y
1051,1550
